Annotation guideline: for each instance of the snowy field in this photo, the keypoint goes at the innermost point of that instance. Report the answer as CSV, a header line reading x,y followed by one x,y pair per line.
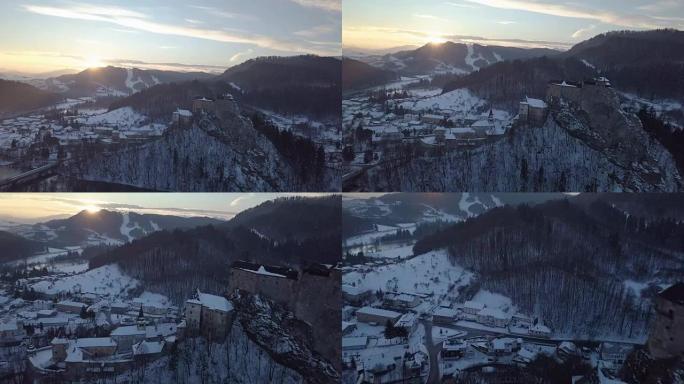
x,y
458,100
107,280
430,273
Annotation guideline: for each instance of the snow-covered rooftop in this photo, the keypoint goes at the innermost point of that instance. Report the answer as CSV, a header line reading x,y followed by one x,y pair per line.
x,y
218,303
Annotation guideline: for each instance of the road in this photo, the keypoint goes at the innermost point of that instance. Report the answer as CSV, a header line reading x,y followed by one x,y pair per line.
x,y
433,351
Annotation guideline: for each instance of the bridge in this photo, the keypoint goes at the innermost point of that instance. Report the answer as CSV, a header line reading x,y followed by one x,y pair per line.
x,y
12,183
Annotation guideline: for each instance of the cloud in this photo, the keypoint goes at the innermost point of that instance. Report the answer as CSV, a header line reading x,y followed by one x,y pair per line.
x,y
315,31
506,22
134,20
328,5
427,16
241,198
461,5
582,32
574,10
224,14
238,55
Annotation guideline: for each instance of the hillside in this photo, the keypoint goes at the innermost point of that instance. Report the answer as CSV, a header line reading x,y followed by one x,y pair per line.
x,y
18,97
304,84
357,75
177,262
116,226
556,258
116,81
16,247
451,57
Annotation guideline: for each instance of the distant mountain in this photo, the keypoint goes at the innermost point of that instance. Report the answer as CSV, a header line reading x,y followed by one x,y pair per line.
x,y
360,215
16,247
357,74
110,226
18,97
115,81
299,84
565,261
289,231
450,57
649,64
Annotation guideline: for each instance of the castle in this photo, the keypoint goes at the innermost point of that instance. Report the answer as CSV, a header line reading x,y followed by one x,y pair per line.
x,y
667,335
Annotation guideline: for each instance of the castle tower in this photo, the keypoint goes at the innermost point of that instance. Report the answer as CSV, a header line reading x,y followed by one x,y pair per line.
x,y
667,336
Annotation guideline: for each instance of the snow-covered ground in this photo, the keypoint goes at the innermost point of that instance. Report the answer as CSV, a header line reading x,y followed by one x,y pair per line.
x,y
430,273
107,280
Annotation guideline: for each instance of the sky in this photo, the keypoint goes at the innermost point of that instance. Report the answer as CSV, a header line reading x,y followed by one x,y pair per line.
x,y
383,24
35,207
38,36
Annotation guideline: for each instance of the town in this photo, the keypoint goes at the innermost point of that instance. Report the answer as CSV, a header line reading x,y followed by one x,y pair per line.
x,y
421,318
410,114
95,329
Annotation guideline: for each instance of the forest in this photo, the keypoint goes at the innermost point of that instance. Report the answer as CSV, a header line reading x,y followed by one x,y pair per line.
x,y
571,259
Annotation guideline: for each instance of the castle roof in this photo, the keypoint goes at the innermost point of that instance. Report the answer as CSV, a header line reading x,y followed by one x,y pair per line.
x,y
266,270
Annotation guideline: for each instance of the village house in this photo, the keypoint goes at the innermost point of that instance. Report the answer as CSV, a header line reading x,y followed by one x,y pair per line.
x,y
453,349
11,333
208,315
376,315
472,307
355,295
504,345
69,306
181,117
408,321
540,330
396,300
354,343
667,335
443,315
614,354
493,317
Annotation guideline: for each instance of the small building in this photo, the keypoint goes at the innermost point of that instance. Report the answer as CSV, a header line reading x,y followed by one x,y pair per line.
x,y
453,349
202,105
181,117
354,343
472,307
493,317
408,321
11,333
400,300
355,295
376,315
443,315
432,119
566,349
540,330
504,345
667,335
348,327
614,354
69,306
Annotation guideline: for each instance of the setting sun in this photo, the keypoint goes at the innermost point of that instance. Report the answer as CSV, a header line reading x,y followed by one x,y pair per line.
x,y
93,62
436,39
91,209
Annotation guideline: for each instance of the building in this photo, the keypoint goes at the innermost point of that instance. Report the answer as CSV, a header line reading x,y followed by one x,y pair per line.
x,y
209,315
202,105
69,306
127,336
277,283
408,321
376,315
11,333
504,345
667,335
614,354
354,343
181,117
453,349
540,330
493,317
432,119
355,295
400,300
532,111
472,307
443,315
564,92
